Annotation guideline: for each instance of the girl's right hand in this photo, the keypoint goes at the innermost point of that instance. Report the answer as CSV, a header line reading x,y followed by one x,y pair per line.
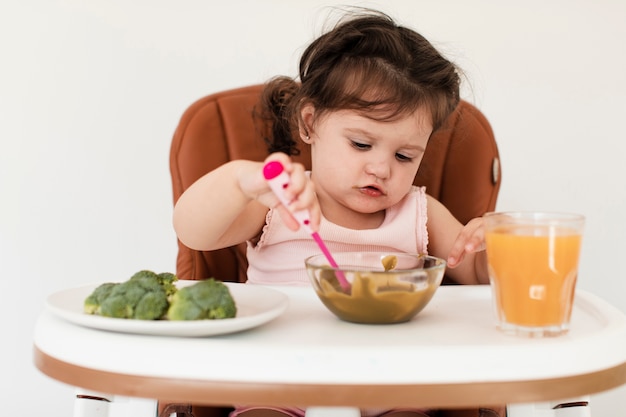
x,y
300,193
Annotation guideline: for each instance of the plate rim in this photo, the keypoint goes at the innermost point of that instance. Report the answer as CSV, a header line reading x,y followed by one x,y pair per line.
x,y
193,328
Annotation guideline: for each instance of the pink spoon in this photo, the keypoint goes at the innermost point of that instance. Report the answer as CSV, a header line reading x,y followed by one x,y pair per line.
x,y
278,180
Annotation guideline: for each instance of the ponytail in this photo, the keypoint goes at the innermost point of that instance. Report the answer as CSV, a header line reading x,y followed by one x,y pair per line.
x,y
277,110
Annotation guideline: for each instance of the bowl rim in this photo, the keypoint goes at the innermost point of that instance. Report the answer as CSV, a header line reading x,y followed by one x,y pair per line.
x,y
440,263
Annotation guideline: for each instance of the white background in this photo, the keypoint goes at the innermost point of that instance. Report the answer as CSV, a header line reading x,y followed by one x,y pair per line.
x,y
91,92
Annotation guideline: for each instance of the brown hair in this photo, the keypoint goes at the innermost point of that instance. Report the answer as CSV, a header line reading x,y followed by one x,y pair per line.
x,y
366,63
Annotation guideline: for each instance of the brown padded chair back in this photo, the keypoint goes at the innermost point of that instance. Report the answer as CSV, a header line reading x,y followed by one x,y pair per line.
x,y
460,167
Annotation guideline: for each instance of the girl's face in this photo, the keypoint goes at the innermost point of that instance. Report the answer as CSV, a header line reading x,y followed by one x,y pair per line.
x,y
362,166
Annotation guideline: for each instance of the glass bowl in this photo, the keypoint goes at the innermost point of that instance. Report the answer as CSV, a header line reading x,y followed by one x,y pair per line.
x,y
384,287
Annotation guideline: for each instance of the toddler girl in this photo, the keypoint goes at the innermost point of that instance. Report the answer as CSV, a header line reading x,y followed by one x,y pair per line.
x,y
369,95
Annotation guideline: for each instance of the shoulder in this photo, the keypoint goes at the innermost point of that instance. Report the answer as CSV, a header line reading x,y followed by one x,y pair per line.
x,y
415,198
414,204
435,207
419,196
439,217
417,192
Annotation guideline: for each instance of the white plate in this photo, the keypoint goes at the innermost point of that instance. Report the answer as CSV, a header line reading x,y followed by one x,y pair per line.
x,y
256,305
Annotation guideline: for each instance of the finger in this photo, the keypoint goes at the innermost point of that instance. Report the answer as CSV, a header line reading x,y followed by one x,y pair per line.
x,y
297,185
470,239
476,236
314,211
288,219
456,256
307,201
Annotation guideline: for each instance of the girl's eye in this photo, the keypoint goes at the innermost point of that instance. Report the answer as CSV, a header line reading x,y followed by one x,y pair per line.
x,y
403,158
364,147
361,146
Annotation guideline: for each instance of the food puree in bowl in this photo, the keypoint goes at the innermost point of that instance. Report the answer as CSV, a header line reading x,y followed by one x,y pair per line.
x,y
375,298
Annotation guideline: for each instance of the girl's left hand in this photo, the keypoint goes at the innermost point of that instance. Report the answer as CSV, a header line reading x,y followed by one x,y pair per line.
x,y
470,240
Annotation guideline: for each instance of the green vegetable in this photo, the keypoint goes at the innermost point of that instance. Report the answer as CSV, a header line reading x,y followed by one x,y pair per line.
x,y
144,296
150,296
208,299
93,301
166,279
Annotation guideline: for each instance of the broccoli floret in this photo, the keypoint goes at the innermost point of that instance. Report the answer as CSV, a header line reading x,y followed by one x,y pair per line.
x,y
94,300
208,299
138,298
166,279
152,306
145,296
144,273
168,282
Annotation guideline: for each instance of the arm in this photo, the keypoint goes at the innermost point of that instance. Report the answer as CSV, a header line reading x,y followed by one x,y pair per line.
x,y
462,246
228,205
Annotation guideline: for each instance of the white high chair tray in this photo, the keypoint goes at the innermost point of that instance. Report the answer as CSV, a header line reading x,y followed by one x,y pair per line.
x,y
449,355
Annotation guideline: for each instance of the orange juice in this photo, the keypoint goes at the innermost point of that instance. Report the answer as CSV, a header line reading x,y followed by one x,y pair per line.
x,y
533,271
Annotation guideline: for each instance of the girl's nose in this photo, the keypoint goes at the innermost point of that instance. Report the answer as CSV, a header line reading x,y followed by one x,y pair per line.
x,y
380,169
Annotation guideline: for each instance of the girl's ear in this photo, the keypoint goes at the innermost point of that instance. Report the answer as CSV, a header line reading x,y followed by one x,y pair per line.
x,y
305,128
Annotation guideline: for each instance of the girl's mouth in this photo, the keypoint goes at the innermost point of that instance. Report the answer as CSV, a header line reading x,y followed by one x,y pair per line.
x,y
371,191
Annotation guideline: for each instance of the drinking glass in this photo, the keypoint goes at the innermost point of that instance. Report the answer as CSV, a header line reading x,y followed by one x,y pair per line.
x,y
533,267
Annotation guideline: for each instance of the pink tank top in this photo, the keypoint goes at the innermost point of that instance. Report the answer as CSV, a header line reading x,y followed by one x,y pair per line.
x,y
278,257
